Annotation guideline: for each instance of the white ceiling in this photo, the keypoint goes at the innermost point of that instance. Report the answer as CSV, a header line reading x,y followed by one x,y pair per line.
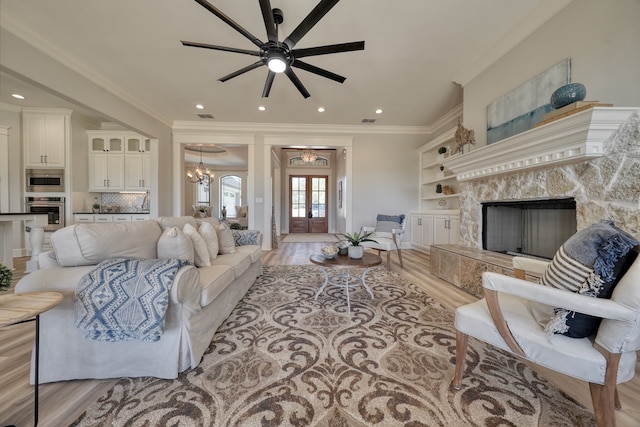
x,y
415,49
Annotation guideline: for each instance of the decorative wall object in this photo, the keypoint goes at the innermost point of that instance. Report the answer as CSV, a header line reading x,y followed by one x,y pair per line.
x,y
465,138
523,107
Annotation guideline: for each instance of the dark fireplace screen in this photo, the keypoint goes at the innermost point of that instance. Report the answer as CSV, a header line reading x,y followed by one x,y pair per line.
x,y
528,227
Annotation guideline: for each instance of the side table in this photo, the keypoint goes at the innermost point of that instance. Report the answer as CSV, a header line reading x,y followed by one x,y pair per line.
x,y
344,280
27,307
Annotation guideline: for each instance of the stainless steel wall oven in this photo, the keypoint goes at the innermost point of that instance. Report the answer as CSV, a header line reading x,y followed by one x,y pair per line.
x,y
52,206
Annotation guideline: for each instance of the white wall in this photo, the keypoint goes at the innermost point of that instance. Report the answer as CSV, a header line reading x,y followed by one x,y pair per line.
x,y
602,38
385,177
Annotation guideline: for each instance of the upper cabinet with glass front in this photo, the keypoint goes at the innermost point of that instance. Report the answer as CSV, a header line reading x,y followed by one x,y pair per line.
x,y
137,144
119,160
106,143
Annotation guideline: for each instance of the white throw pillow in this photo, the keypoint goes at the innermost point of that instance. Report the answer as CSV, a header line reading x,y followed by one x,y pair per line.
x,y
199,246
210,237
175,244
226,242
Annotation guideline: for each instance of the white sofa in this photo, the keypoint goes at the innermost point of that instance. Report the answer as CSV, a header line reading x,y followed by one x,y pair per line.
x,y
200,300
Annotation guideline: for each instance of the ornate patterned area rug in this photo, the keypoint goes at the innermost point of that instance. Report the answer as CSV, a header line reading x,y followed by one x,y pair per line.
x,y
284,359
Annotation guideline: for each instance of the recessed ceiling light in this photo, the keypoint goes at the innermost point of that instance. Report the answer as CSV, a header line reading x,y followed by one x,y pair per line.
x,y
261,108
200,106
378,111
17,95
320,109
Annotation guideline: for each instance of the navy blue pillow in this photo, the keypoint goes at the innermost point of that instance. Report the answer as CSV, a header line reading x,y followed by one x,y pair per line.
x,y
591,262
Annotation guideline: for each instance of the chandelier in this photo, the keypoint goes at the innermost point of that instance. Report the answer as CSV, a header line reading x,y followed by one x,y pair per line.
x,y
200,172
309,156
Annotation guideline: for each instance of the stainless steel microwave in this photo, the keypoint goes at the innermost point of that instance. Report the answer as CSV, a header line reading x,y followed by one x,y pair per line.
x,y
45,180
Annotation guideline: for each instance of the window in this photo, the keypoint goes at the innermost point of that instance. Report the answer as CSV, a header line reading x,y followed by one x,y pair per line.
x,y
202,191
231,194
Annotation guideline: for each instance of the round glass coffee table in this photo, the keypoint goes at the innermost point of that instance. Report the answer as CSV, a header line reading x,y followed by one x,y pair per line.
x,y
345,279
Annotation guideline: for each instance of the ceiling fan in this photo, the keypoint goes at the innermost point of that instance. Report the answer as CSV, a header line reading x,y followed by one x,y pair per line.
x,y
276,55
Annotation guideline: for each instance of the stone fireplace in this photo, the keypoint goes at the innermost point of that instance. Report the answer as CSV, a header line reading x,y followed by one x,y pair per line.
x,y
592,156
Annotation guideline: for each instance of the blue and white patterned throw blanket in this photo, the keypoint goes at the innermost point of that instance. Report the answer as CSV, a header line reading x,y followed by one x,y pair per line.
x,y
125,299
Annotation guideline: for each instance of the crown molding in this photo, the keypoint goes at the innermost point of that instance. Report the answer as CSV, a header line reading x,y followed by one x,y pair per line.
x,y
196,126
21,30
446,119
539,15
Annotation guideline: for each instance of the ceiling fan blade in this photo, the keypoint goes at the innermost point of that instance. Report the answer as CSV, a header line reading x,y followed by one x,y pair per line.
x,y
319,71
325,50
241,71
230,22
297,83
269,23
268,83
307,23
224,48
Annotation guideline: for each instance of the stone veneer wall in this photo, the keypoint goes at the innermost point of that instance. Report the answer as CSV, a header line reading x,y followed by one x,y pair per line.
x,y
606,187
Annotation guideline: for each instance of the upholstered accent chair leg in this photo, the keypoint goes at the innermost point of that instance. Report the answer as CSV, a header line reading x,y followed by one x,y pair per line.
x,y
605,396
461,353
400,257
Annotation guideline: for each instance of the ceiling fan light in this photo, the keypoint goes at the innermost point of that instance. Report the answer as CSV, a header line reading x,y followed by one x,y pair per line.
x,y
277,62
277,65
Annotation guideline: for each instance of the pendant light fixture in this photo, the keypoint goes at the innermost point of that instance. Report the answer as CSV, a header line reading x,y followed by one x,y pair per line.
x,y
308,156
198,176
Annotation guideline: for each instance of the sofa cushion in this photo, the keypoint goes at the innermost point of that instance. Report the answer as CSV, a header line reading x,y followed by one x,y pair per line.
x,y
254,251
213,281
591,262
175,221
210,237
200,251
238,262
226,242
175,244
89,244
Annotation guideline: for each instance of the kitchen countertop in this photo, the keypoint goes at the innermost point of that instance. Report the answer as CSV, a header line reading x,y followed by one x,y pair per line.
x,y
22,213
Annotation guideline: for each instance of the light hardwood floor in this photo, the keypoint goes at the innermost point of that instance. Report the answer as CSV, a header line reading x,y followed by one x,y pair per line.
x,y
61,403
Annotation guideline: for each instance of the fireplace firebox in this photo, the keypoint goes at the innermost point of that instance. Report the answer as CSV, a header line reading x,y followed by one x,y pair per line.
x,y
534,228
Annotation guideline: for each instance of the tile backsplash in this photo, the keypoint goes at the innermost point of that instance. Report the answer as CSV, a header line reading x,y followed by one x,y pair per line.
x,y
128,202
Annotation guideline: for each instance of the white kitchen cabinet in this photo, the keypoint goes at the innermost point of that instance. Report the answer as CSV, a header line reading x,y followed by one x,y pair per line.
x,y
105,218
84,218
137,171
47,136
119,160
106,172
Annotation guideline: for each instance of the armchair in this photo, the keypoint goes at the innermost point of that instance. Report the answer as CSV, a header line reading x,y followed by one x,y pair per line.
x,y
388,234
505,319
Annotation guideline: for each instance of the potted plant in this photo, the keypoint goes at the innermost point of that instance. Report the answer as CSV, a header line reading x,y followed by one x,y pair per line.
x,y
96,208
355,250
6,275
442,152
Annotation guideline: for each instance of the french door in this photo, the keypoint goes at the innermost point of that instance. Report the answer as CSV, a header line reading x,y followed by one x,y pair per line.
x,y
308,204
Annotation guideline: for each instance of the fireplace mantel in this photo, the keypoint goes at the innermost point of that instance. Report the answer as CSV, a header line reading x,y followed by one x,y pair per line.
x,y
579,137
